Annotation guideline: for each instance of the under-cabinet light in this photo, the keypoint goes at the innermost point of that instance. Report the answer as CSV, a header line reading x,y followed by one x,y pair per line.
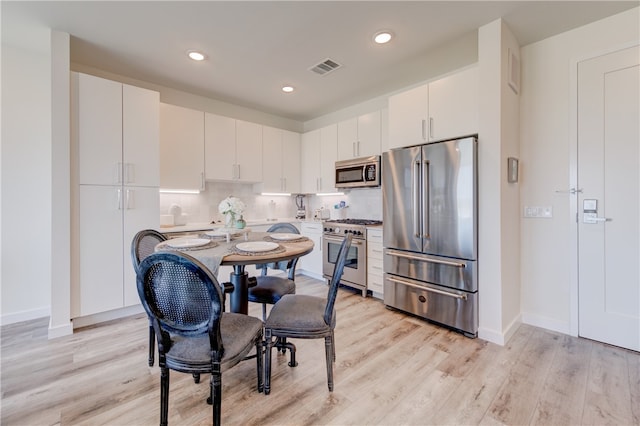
x,y
179,191
276,194
326,194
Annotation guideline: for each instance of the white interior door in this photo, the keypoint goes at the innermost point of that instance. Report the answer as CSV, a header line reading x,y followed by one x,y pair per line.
x,y
608,208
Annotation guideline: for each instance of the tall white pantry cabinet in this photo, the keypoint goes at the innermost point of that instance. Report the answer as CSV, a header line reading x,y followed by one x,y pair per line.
x,y
116,176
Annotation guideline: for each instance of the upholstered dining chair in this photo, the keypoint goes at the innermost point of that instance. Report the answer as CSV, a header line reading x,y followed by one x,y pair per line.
x,y
306,317
184,303
269,288
142,245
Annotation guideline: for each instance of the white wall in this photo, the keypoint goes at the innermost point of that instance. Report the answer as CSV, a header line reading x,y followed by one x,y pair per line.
x,y
26,184
548,159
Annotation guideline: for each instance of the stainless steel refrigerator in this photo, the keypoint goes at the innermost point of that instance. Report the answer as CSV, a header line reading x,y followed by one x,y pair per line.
x,y
430,217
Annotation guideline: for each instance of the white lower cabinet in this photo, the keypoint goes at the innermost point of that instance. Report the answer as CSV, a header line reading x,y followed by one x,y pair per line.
x,y
375,274
311,264
109,217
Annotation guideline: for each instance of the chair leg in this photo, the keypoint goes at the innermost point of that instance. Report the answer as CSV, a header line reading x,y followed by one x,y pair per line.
x,y
259,365
267,361
164,396
264,312
215,396
152,345
282,345
328,346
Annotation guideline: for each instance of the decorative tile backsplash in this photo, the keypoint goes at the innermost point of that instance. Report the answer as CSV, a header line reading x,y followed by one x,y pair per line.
x,y
365,203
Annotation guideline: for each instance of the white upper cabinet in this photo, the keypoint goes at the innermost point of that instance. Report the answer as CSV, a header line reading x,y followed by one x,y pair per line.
x,y
280,161
443,109
318,159
233,149
453,105
328,157
248,151
360,136
99,130
181,148
140,136
220,147
310,162
291,161
117,132
408,117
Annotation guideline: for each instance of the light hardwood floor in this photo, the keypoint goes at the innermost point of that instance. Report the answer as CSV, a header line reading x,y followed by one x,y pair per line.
x,y
391,369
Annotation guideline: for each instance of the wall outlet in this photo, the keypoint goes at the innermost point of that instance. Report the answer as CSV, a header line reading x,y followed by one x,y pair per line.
x,y
538,211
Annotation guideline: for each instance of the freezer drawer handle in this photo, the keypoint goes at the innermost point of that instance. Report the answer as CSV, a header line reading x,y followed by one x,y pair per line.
x,y
429,289
442,262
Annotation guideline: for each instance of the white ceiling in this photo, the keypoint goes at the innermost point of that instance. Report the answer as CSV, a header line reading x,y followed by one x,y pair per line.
x,y
256,47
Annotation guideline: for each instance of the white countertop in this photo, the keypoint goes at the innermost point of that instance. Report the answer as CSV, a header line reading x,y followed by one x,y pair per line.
x,y
193,227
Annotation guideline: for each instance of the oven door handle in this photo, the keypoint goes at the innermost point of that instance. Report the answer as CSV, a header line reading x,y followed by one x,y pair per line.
x,y
429,289
339,240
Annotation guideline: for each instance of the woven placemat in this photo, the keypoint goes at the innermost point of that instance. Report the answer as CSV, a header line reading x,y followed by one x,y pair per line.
x,y
164,246
235,250
275,240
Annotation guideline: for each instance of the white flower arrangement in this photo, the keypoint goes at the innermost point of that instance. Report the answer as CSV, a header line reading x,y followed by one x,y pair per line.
x,y
231,205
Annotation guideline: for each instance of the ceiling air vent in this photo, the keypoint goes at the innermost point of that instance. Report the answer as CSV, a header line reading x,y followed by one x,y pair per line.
x,y
325,67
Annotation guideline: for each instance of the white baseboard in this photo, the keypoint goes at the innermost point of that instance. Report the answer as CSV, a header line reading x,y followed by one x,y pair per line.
x,y
61,330
497,337
107,316
21,316
547,323
311,274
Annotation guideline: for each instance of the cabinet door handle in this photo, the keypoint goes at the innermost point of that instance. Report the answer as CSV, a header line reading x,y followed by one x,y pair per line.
x,y
353,149
202,184
119,198
431,127
424,130
128,196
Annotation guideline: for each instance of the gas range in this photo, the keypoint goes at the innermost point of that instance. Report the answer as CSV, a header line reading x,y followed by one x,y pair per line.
x,y
356,227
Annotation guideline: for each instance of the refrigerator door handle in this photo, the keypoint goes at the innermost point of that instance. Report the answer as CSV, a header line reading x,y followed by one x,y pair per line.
x,y
432,290
423,258
425,199
415,195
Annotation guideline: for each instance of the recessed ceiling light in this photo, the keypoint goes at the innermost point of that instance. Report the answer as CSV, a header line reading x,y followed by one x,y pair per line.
x,y
196,56
382,37
288,89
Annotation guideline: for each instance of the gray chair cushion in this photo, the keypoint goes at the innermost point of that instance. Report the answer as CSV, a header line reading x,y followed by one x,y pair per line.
x,y
300,315
236,330
270,289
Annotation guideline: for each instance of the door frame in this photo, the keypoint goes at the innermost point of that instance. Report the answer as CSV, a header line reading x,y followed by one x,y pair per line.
x,y
574,321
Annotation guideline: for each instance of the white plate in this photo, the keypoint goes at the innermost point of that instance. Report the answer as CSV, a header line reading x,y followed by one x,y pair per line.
x,y
257,246
187,242
284,237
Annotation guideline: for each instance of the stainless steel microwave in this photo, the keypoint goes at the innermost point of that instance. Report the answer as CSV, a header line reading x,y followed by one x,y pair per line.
x,y
358,173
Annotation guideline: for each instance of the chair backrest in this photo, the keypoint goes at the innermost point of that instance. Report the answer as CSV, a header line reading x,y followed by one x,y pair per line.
x,y
329,310
289,266
283,227
143,244
181,297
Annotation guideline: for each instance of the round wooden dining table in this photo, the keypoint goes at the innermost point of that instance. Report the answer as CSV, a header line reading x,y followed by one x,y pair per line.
x,y
228,253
